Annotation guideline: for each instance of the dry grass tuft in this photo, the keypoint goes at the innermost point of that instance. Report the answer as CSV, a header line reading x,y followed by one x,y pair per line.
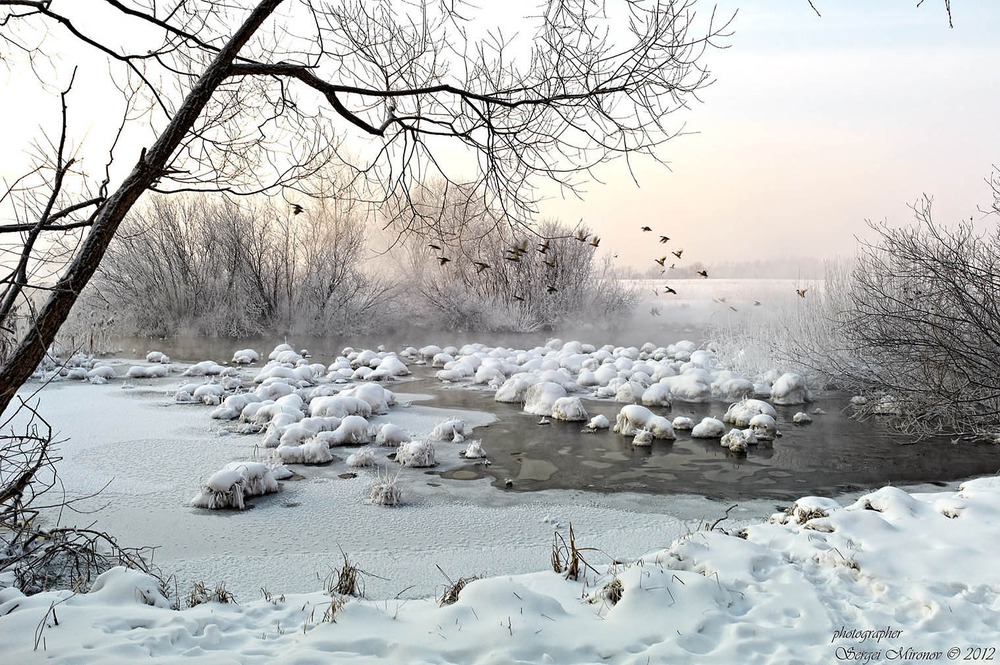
x,y
449,596
201,594
567,558
348,580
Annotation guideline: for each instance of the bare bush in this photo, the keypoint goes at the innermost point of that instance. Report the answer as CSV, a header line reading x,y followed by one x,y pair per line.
x,y
925,323
39,552
479,275
213,267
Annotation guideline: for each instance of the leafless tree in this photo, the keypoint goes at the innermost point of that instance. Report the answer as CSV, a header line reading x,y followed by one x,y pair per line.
x,y
189,263
924,326
379,89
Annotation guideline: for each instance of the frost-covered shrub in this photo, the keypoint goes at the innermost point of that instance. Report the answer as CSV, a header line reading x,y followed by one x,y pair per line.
x,y
416,454
385,490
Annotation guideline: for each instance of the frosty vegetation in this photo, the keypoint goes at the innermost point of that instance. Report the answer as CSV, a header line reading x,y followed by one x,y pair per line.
x,y
212,266
910,328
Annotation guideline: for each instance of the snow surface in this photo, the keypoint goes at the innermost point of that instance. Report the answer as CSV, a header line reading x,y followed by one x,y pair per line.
x,y
808,585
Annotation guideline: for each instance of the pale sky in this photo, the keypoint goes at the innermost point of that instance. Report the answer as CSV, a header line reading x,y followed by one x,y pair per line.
x,y
814,125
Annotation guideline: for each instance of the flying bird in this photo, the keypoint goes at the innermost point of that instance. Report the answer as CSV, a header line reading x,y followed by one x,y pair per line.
x,y
551,289
595,241
646,228
664,239
297,209
756,303
550,262
518,298
513,257
801,292
678,253
480,266
581,236
543,247
443,260
703,273
654,311
667,289
661,260
433,246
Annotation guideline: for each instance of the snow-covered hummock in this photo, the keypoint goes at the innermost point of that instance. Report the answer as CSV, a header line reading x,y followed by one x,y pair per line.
x,y
245,357
157,357
391,435
764,427
513,390
378,398
416,454
313,451
570,409
708,428
790,389
600,421
642,437
741,413
738,440
540,397
633,418
204,368
228,487
802,418
683,423
474,450
452,429
151,372
361,458
780,591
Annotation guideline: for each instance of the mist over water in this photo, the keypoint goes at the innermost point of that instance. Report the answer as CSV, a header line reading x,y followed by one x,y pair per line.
x,y
834,454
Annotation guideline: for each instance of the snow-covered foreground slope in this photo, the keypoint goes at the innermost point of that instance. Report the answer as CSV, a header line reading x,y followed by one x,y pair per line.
x,y
892,577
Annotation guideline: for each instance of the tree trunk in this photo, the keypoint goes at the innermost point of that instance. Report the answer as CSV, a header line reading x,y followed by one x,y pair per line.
x,y
151,164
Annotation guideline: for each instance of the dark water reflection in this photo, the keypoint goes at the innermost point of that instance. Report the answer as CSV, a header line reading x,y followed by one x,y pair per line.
x,y
833,454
